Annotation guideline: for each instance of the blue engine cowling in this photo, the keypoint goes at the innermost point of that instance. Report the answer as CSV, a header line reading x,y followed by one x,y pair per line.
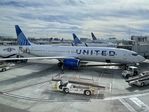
x,y
71,63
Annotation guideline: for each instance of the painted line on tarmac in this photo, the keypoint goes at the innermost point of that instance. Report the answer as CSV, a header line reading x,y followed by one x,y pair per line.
x,y
125,96
129,107
38,99
140,104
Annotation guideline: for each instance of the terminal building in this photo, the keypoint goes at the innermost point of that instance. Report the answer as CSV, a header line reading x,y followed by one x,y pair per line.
x,y
141,45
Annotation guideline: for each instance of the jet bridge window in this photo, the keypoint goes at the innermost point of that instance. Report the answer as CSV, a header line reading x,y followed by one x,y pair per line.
x,y
134,54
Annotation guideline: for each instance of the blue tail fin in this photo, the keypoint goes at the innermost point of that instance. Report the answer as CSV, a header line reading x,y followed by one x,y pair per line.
x,y
21,38
76,39
93,36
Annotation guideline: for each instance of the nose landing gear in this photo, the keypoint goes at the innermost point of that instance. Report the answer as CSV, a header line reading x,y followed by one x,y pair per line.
x,y
60,64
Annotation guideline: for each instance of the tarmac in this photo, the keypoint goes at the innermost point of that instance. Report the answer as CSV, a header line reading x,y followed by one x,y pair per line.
x,y
27,88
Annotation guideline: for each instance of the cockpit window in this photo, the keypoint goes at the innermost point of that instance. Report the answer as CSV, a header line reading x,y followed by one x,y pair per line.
x,y
134,54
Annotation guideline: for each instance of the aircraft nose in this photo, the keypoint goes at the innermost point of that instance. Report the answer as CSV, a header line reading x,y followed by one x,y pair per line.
x,y
141,58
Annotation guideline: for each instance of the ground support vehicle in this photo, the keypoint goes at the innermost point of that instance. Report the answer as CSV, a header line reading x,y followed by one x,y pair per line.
x,y
6,66
130,72
141,80
77,86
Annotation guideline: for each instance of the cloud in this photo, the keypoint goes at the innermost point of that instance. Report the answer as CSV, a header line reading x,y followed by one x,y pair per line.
x,y
44,18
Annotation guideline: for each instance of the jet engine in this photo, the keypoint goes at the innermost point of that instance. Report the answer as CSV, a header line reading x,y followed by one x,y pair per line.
x,y
71,63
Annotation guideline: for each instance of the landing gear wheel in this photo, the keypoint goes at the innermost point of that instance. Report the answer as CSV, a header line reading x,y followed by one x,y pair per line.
x,y
87,92
60,64
127,76
66,90
60,86
125,67
3,69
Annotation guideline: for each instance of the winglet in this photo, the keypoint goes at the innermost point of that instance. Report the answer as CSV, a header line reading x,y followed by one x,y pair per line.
x,y
21,38
93,36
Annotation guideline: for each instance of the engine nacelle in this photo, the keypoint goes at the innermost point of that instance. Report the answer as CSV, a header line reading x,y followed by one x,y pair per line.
x,y
71,63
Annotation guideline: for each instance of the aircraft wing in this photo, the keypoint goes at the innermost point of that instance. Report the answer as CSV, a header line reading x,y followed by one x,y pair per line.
x,y
34,58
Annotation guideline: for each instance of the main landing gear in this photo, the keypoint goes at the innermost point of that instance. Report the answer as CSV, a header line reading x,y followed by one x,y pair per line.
x,y
60,65
124,66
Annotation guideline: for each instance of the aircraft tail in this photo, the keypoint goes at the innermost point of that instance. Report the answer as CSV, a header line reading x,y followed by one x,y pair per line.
x,y
76,39
93,36
21,38
62,39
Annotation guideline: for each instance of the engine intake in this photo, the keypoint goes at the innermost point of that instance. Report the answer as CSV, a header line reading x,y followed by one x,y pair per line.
x,y
71,63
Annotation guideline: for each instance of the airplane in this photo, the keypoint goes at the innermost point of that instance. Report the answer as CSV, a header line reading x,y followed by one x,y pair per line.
x,y
94,43
9,51
103,43
93,36
77,41
71,57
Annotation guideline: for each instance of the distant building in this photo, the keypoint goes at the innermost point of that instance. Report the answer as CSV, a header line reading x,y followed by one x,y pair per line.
x,y
84,39
141,45
7,40
140,39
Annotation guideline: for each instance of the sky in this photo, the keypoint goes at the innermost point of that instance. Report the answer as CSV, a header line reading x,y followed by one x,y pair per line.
x,y
61,18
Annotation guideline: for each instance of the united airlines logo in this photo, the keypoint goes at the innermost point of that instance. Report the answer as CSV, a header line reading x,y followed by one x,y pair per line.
x,y
95,52
22,39
9,49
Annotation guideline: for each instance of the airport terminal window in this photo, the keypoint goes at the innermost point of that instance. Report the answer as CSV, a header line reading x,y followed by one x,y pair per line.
x,y
134,54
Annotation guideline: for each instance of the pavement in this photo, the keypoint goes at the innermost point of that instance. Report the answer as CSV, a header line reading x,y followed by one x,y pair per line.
x,y
27,88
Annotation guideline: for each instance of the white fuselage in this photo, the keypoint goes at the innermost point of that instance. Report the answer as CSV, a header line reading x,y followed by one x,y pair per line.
x,y
98,54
